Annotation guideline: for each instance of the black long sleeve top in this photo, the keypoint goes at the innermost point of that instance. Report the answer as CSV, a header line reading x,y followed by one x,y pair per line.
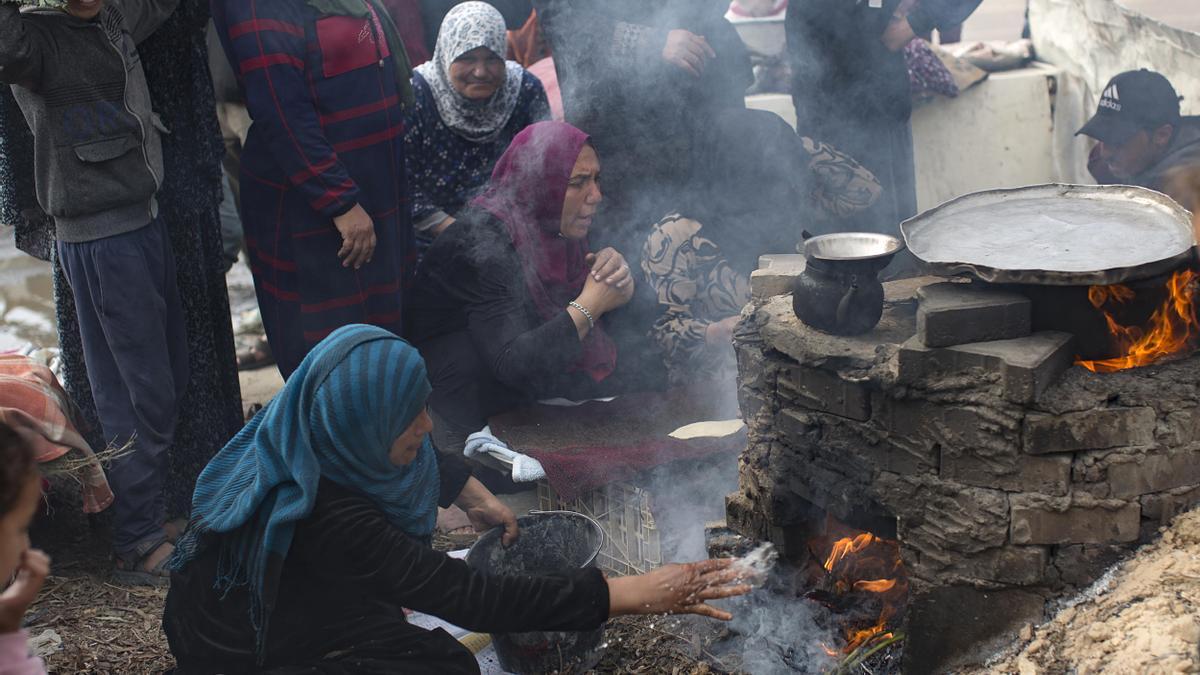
x,y
485,345
645,116
930,14
843,76
344,584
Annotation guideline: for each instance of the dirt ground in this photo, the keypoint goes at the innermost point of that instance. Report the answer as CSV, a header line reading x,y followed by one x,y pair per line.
x,y
1143,617
105,627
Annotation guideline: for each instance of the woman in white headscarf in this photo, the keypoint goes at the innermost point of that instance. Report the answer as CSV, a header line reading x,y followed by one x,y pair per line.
x,y
470,103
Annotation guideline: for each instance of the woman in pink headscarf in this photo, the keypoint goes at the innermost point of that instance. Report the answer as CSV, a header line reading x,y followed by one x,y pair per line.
x,y
509,303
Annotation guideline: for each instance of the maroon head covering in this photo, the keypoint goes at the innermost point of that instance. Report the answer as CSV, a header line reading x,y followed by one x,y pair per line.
x,y
527,191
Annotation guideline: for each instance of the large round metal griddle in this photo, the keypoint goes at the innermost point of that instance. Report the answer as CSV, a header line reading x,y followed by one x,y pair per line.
x,y
1062,235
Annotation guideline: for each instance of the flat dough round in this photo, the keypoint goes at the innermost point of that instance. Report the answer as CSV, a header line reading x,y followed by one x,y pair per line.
x,y
714,429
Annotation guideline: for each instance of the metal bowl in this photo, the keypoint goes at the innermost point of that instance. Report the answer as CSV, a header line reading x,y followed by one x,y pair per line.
x,y
852,246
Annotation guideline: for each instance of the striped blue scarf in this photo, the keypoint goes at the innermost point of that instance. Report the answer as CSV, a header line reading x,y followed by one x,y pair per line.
x,y
337,416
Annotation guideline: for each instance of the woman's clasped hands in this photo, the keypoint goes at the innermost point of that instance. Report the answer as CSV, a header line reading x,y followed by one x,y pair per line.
x,y
610,284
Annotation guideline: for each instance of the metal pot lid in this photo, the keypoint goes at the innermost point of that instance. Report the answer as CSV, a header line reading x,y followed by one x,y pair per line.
x,y
1062,235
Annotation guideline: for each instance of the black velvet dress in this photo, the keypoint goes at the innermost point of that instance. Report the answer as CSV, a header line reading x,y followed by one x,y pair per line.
x,y
342,592
487,349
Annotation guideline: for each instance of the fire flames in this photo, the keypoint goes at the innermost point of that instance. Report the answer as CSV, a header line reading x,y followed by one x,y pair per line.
x,y
867,564
1172,328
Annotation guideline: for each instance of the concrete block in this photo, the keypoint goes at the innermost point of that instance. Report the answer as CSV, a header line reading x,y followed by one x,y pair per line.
x,y
1164,506
743,518
1182,427
955,518
952,314
1026,366
867,448
1079,565
1047,475
1035,522
793,424
1088,430
1155,473
940,424
1017,565
908,458
752,403
821,390
950,627
776,274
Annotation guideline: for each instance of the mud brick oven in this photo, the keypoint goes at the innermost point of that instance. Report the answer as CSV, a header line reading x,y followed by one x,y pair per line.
x,y
1009,476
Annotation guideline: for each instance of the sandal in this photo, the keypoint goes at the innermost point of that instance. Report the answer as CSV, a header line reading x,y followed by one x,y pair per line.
x,y
462,537
453,524
258,356
130,572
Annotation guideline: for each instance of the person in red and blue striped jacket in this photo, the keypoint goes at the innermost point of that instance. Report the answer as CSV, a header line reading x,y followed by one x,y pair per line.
x,y
324,195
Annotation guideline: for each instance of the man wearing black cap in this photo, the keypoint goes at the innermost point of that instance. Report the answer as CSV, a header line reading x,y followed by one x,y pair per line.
x,y
1142,137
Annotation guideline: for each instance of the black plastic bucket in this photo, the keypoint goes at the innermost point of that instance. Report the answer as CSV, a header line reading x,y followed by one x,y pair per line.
x,y
551,541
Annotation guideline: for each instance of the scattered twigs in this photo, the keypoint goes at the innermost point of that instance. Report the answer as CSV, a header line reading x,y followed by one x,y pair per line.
x,y
864,652
74,463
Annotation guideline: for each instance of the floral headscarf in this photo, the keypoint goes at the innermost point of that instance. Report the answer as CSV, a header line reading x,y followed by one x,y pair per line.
x,y
469,26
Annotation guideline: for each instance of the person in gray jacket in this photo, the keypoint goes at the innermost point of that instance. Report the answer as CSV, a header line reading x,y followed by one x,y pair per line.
x,y
77,77
1141,136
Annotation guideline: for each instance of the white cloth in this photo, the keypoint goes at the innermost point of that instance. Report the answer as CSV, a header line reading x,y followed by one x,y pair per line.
x,y
525,469
469,26
489,663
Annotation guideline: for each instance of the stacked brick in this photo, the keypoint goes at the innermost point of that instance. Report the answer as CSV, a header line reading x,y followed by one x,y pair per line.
x,y
1009,477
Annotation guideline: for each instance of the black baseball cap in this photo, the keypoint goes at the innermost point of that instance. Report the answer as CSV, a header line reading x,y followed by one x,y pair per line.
x,y
1133,101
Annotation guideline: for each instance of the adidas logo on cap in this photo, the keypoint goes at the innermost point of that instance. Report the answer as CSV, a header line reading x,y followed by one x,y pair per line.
x,y
1111,98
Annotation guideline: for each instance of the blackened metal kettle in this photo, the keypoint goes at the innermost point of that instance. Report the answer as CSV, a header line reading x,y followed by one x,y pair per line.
x,y
839,291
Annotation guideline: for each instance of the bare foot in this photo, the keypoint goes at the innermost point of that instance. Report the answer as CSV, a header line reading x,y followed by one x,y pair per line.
x,y
453,519
174,529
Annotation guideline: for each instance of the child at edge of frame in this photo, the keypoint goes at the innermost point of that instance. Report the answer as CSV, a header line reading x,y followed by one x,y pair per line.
x,y
20,494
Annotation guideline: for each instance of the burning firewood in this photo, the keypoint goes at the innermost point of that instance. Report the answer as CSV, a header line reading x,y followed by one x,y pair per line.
x,y
1172,329
862,582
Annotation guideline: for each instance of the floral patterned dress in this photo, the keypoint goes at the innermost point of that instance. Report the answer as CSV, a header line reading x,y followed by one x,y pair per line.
x,y
697,286
445,170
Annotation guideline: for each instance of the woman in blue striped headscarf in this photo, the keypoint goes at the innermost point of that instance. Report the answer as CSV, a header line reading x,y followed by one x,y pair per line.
x,y
309,530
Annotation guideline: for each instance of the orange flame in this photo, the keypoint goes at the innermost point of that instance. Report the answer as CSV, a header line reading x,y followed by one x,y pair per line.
x,y
851,559
877,586
846,546
1172,327
858,638
1100,295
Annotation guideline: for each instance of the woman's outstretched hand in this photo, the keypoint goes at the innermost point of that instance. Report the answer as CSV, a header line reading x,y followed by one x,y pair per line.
x,y
679,589
485,511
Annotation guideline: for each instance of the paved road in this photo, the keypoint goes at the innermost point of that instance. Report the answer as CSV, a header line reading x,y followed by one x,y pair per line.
x,y
1003,19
